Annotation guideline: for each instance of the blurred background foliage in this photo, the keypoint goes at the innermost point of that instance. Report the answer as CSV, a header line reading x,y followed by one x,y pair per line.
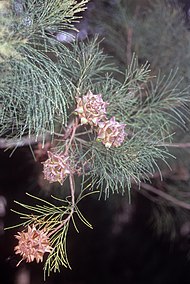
x,y
156,31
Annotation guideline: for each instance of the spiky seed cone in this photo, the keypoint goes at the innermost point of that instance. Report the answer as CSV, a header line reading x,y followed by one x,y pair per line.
x,y
91,109
111,133
56,168
32,244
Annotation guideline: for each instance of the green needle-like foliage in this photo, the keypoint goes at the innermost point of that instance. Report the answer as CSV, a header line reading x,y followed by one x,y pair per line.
x,y
52,15
116,170
37,92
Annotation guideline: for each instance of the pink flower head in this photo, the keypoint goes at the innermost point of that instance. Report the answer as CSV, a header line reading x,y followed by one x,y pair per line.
x,y
91,109
32,244
56,168
111,133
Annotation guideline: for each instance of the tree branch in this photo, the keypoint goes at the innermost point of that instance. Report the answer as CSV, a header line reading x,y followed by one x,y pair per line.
x,y
24,141
165,195
175,145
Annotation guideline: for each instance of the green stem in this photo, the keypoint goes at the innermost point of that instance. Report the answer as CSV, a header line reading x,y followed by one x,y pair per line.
x,y
65,221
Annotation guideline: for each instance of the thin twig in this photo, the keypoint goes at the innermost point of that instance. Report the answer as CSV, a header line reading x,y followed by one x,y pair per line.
x,y
65,221
129,45
24,141
166,196
83,133
74,128
175,145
